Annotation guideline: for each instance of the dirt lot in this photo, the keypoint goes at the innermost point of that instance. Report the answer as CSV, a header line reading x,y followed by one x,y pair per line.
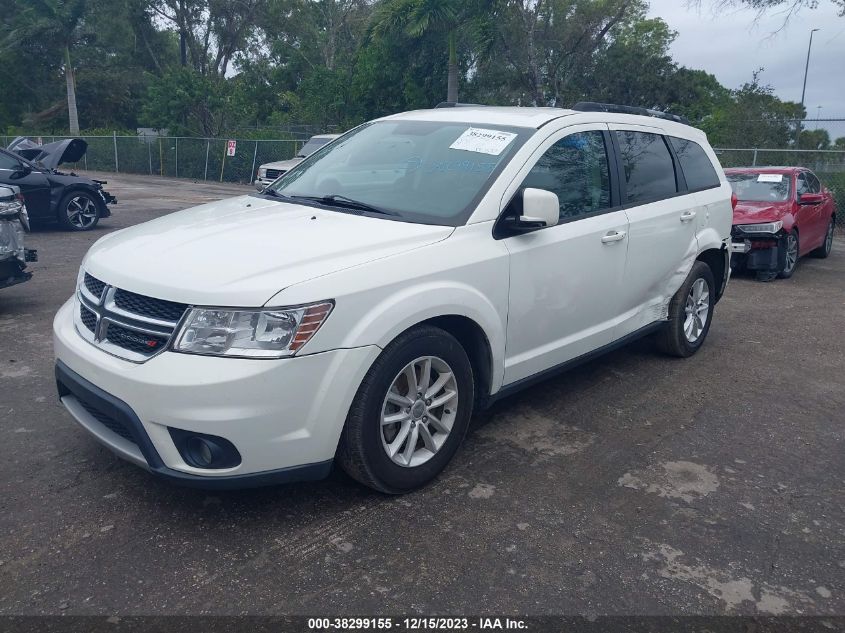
x,y
635,484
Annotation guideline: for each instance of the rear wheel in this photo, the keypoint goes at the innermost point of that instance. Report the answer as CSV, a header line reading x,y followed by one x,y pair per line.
x,y
79,211
410,414
791,261
824,250
690,314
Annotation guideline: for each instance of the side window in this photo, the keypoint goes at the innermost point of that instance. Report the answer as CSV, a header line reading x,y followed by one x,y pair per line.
x,y
815,185
698,170
8,162
803,186
648,166
576,169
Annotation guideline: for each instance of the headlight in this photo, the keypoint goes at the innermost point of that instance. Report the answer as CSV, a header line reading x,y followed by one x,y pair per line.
x,y
10,208
262,172
262,333
768,227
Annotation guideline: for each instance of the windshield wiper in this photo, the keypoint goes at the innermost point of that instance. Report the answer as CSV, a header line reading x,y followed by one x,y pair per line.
x,y
337,200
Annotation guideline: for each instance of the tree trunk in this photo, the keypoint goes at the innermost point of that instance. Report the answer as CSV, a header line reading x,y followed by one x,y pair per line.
x,y
71,95
452,83
183,48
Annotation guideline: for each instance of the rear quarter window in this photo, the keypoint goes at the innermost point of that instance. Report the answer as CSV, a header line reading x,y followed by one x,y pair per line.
x,y
695,164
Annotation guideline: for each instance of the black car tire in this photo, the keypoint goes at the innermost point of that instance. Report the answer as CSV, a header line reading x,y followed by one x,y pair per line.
x,y
75,208
672,339
362,451
824,250
787,271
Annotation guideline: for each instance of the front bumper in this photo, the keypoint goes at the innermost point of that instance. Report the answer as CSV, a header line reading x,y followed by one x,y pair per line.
x,y
13,255
763,252
284,416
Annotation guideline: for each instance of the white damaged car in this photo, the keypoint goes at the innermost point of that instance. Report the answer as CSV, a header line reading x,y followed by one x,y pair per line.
x,y
367,303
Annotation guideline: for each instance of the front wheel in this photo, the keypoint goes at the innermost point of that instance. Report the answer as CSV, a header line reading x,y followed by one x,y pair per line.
x,y
690,314
79,211
410,413
791,255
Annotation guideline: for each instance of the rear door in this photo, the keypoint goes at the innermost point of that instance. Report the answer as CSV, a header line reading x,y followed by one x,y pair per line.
x,y
663,225
809,233
566,280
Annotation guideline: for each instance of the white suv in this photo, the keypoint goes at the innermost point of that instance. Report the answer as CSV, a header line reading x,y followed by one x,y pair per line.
x,y
410,273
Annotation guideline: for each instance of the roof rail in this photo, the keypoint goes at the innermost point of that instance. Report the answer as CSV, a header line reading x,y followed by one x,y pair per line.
x,y
590,106
453,104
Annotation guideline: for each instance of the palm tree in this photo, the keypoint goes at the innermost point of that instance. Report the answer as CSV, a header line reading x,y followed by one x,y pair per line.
x,y
60,22
417,18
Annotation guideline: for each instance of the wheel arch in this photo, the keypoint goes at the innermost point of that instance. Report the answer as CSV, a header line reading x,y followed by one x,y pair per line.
x,y
58,194
474,340
718,259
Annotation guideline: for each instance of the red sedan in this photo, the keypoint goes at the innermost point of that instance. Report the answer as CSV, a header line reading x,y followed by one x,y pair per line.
x,y
782,213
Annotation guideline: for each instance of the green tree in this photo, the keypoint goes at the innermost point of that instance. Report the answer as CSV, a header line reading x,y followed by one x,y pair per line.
x,y
422,17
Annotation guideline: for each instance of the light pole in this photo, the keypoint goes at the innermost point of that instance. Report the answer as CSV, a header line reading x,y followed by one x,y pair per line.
x,y
807,67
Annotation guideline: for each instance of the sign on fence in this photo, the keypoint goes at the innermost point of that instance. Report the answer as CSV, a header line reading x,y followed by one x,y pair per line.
x,y
231,144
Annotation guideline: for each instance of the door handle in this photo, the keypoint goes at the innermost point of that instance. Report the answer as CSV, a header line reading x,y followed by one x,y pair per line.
x,y
613,236
686,216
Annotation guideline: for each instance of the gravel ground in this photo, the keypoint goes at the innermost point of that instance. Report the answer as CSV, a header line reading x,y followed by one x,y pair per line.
x,y
635,484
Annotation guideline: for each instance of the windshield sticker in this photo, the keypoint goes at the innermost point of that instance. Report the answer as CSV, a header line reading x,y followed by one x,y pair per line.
x,y
482,141
770,178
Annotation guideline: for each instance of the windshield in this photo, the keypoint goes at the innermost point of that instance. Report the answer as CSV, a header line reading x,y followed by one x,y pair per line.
x,y
313,145
419,171
756,187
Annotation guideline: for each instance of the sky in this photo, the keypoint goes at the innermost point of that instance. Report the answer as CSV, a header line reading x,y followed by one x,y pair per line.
x,y
732,43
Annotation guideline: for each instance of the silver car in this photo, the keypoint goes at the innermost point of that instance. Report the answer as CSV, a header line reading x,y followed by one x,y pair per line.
x,y
268,172
13,223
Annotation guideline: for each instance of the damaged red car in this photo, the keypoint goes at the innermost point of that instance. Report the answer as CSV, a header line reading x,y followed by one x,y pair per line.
x,y
782,214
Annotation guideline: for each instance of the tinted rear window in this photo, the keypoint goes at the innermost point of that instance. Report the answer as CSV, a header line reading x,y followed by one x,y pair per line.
x,y
649,171
698,170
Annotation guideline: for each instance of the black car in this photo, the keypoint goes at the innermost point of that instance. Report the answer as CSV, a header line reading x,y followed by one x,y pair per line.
x,y
77,203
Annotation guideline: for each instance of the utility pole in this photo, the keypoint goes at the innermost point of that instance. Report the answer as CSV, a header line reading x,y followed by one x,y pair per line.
x,y
807,67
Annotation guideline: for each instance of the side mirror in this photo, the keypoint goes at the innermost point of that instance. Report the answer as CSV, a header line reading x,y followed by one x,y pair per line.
x,y
259,185
811,198
540,209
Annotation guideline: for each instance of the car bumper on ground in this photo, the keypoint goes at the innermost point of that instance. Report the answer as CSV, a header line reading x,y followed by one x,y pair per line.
x,y
282,417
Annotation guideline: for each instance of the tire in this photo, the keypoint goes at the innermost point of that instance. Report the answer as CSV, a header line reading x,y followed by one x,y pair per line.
x,y
824,250
79,211
682,338
366,441
792,246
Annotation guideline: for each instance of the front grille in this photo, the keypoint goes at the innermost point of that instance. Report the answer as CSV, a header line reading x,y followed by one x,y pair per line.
x,y
94,285
138,342
123,323
89,319
116,426
272,174
149,307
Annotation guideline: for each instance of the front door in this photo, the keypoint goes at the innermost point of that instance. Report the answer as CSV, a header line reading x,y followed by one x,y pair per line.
x,y
34,186
565,280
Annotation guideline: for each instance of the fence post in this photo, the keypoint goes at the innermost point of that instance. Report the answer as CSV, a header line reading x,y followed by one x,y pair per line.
x,y
754,160
114,138
177,156
254,156
150,156
207,147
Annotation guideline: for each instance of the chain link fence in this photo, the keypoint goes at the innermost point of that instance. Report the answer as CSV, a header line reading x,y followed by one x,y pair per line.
x,y
179,157
828,165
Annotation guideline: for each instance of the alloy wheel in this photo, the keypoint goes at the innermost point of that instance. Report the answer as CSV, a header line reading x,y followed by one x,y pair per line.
x,y
791,253
828,239
81,212
419,411
697,310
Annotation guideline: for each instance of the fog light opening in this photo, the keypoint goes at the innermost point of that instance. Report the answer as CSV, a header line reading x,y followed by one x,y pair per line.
x,y
205,451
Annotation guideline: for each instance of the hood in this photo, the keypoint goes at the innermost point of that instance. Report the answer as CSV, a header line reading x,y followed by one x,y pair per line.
x,y
242,251
51,155
283,165
756,212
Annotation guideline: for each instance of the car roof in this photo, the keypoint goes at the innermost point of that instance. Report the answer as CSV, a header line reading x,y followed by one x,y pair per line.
x,y
515,116
324,136
537,117
765,170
